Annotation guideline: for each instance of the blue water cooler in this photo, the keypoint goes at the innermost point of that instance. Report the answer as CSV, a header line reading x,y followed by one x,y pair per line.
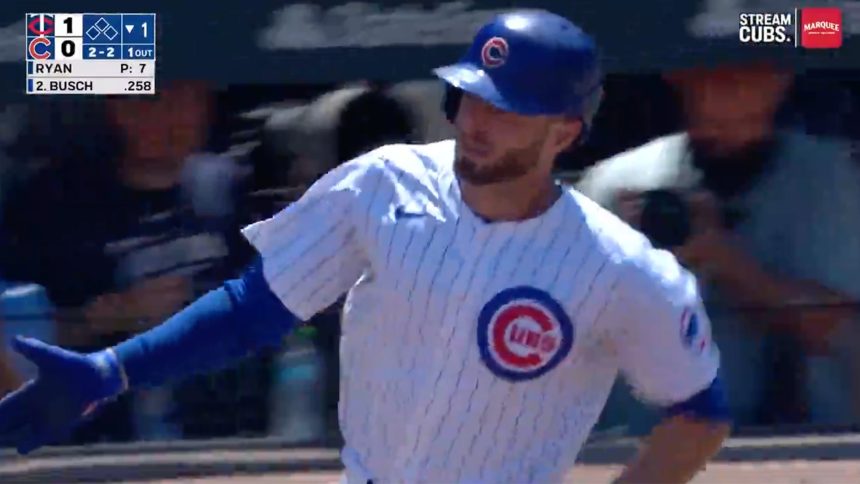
x,y
298,396
26,311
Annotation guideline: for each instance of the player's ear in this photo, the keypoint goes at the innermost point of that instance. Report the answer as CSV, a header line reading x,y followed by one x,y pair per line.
x,y
565,131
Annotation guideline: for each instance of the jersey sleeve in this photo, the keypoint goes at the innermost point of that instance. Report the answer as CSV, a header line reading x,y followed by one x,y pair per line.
x,y
312,250
661,332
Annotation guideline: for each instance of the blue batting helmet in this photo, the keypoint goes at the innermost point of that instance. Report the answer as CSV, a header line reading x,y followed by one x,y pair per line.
x,y
530,62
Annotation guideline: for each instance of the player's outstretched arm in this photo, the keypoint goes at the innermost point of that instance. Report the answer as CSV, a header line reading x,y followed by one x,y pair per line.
x,y
662,337
221,327
680,446
311,256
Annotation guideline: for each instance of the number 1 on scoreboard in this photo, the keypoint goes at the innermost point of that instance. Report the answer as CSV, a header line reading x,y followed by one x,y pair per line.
x,y
69,25
136,27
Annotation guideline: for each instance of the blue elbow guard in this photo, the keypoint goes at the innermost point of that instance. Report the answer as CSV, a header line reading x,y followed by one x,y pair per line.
x,y
225,325
709,404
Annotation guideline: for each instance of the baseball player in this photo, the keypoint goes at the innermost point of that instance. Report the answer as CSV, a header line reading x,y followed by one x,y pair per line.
x,y
489,309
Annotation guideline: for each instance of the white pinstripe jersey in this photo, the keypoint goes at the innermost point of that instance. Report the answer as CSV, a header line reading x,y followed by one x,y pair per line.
x,y
474,351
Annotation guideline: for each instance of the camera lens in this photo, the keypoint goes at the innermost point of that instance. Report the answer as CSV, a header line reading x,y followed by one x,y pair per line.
x,y
665,218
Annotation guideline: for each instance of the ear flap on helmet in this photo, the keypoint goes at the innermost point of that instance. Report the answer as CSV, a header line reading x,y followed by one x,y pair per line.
x,y
590,106
451,102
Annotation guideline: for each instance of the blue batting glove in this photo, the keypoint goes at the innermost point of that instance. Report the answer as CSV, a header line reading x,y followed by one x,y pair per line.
x,y
68,389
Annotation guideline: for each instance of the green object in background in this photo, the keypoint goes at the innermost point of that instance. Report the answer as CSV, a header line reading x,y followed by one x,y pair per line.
x,y
302,336
306,332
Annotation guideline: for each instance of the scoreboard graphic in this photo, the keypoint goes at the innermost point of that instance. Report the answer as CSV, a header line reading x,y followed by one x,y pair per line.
x,y
91,53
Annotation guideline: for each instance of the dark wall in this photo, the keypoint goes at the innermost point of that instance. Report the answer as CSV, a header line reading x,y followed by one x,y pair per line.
x,y
226,41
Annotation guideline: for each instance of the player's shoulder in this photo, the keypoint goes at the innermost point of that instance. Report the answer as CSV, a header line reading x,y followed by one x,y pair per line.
x,y
655,164
615,238
395,164
407,160
643,270
419,158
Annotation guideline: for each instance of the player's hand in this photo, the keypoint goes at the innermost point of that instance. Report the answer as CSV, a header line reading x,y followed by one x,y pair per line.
x,y
628,205
69,387
710,246
710,250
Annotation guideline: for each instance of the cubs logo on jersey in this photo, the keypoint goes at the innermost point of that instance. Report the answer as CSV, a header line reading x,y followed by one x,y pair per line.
x,y
523,333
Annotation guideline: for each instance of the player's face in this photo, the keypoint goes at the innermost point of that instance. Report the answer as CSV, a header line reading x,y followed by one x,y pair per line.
x,y
730,108
166,129
495,146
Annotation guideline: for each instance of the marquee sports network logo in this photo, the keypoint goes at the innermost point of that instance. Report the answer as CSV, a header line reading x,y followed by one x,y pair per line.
x,y
821,28
810,28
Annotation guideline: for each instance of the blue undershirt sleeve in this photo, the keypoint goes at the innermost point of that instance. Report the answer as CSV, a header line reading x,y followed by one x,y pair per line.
x,y
709,404
223,326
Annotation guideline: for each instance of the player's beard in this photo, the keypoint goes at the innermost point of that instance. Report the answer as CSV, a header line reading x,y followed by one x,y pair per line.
x,y
514,164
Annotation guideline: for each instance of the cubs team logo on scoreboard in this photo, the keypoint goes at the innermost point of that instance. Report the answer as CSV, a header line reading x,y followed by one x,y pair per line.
x,y
40,48
523,333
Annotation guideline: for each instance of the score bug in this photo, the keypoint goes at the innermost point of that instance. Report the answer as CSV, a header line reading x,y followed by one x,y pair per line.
x,y
93,53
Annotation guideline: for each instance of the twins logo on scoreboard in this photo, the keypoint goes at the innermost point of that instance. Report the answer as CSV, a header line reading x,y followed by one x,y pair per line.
x,y
523,333
40,24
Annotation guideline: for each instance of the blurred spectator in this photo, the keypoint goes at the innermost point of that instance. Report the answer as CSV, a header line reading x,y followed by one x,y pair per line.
x,y
9,378
768,219
122,243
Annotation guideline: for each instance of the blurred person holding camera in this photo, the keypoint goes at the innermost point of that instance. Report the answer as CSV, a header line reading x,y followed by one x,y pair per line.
x,y
769,221
123,242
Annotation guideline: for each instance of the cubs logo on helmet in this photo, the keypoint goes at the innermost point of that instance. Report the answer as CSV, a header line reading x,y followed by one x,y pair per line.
x,y
523,333
495,52
530,62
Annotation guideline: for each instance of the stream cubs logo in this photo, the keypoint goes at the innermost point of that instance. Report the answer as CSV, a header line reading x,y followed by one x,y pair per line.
x,y
523,333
